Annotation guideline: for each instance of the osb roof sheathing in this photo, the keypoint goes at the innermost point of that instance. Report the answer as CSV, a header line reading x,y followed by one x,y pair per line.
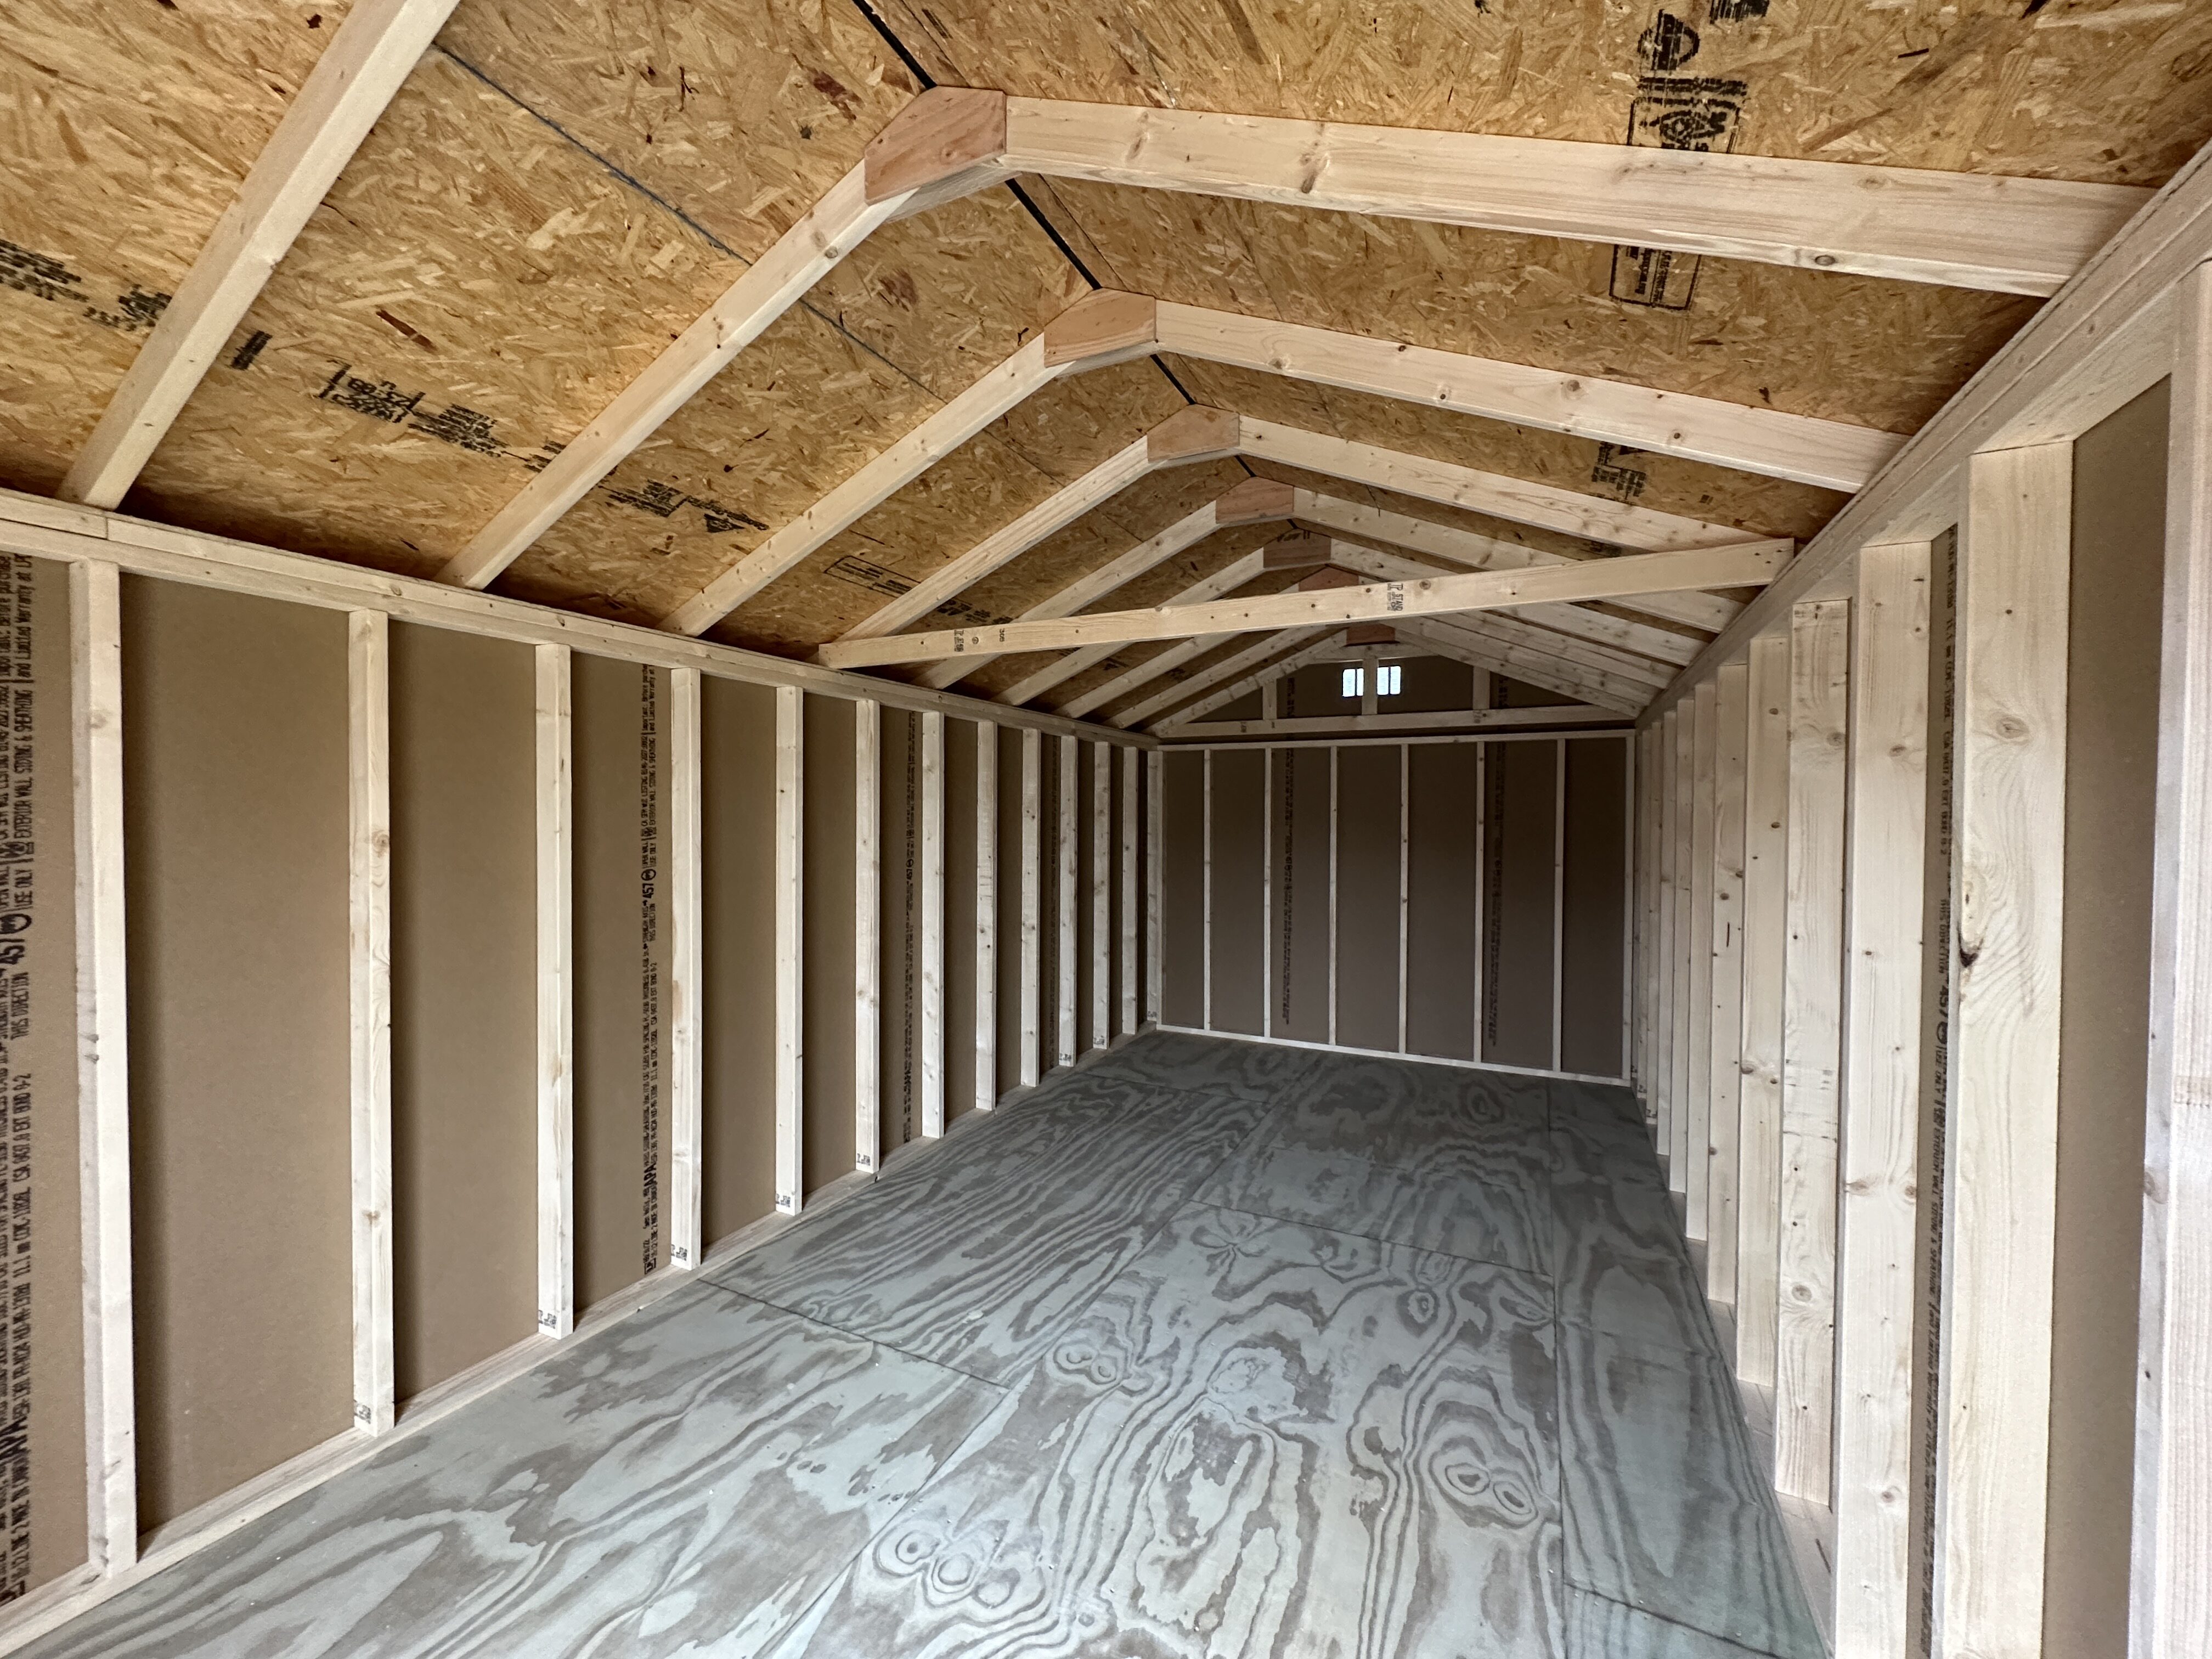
x,y
560,187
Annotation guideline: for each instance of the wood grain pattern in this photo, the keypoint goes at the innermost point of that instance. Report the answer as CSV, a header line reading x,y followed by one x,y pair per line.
x,y
1875,1413
1693,1124
1726,1066
1812,1048
2171,1602
2001,1138
1765,937
1261,1439
615,1500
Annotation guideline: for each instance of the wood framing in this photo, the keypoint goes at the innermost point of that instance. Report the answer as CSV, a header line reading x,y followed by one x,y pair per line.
x,y
1102,897
929,871
987,915
1692,1125
683,880
867,934
1253,502
1032,1011
1831,454
790,947
1066,891
1969,230
1765,954
2001,1079
556,1082
369,953
1183,729
103,1066
1667,865
1127,1013
1222,696
2170,1609
55,530
1751,565
1876,1400
1723,1143
1154,858
1227,580
369,58
1192,686
1191,434
1812,1048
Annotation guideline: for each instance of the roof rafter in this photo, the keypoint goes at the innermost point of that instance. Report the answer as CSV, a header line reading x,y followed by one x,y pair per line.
x,y
1107,327
1486,654
368,60
1260,651
1227,580
1592,579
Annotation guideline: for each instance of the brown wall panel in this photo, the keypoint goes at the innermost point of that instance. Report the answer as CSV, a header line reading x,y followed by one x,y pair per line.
x,y
737,944
621,973
464,993
1442,869
1519,869
1009,909
1595,920
900,1101
829,1145
1367,895
1427,684
2112,756
1182,909
1298,929
234,800
960,900
1239,865
42,1490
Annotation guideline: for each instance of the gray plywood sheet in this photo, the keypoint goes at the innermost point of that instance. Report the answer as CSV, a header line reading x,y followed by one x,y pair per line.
x,y
1099,1375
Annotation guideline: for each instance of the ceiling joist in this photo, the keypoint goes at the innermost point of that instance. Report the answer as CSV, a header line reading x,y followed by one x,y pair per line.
x,y
368,60
1753,565
1227,580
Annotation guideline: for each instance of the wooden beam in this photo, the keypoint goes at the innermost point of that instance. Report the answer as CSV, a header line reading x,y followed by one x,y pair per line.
x,y
1128,1025
1032,1013
1877,1407
48,529
1067,871
1227,580
867,934
1183,729
1968,230
1830,453
986,915
684,876
103,1066
1517,501
845,217
368,954
1693,1127
369,58
1191,687
1577,634
1765,939
1812,1048
2169,1613
1102,896
2102,342
929,871
1640,572
951,136
2001,1124
1155,862
1223,695
1497,646
1472,550
555,1079
1253,501
1190,434
1722,1149
1662,995
1681,826
790,949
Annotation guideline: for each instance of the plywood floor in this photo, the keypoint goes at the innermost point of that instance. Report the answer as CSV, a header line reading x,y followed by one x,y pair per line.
x,y
1206,1349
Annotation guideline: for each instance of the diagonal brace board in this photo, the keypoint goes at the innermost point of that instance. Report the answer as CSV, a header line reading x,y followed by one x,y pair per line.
x,y
1753,565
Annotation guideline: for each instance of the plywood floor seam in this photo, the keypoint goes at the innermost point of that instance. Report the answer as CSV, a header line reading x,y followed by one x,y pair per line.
x,y
1204,1348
